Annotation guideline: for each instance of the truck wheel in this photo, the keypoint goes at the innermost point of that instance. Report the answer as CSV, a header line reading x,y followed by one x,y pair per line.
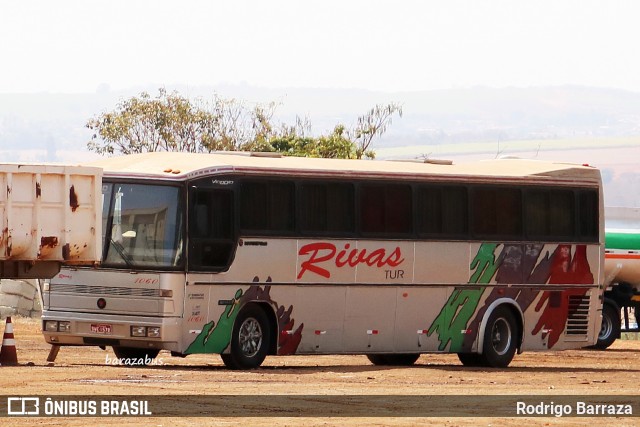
x,y
393,359
249,339
610,329
131,356
500,339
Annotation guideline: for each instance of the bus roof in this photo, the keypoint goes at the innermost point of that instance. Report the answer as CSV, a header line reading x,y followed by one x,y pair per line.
x,y
180,166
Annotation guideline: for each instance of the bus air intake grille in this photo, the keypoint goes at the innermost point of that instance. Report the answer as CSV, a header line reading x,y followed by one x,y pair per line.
x,y
103,290
578,319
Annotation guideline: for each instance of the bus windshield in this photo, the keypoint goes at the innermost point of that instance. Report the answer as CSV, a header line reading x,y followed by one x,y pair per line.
x,y
142,225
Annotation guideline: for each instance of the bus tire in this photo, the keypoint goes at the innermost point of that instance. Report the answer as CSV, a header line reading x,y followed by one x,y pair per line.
x,y
610,329
132,356
500,339
249,340
470,359
403,359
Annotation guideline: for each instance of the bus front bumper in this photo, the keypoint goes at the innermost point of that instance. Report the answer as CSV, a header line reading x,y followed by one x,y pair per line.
x,y
69,328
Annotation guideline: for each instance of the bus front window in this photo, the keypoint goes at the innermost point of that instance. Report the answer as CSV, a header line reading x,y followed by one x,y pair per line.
x,y
145,226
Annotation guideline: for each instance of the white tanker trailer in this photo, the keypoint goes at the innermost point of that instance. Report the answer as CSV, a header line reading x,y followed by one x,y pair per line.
x,y
621,305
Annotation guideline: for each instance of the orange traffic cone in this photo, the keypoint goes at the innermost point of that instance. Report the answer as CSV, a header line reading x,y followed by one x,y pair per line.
x,y
8,354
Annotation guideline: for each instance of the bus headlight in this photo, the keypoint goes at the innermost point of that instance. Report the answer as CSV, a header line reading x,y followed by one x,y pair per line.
x,y
138,331
146,331
57,326
51,325
64,326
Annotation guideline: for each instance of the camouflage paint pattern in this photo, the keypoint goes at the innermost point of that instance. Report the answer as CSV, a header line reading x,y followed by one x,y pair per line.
x,y
462,303
216,337
459,320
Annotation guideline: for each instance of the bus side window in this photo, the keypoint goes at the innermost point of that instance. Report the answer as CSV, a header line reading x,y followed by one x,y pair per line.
x,y
497,213
211,233
442,212
267,207
549,214
386,209
327,208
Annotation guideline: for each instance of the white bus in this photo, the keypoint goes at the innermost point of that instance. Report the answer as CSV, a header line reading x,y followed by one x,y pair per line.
x,y
249,255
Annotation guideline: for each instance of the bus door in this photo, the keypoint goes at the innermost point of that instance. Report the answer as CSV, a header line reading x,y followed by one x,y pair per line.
x,y
212,242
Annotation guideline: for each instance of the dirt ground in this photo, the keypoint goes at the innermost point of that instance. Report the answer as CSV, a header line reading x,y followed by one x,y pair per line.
x,y
86,371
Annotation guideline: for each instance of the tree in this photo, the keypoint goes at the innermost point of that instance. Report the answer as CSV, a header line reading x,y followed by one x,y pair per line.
x,y
168,122
336,145
171,122
371,125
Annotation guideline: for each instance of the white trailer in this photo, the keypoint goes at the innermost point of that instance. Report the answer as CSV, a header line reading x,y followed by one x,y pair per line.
x,y
50,215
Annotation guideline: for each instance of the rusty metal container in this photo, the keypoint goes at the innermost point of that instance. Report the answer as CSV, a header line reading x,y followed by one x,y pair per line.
x,y
50,215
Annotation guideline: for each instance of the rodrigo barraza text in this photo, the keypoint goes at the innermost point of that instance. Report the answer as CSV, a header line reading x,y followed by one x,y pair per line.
x,y
577,409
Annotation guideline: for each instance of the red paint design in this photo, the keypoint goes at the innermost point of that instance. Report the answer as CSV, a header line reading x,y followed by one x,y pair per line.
x,y
564,270
323,252
288,341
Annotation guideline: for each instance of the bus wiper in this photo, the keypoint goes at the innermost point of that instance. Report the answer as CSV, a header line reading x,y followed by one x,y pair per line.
x,y
123,254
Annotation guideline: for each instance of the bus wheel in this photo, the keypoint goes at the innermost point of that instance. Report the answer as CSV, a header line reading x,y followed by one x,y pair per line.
x,y
131,356
393,359
470,359
500,339
249,339
610,329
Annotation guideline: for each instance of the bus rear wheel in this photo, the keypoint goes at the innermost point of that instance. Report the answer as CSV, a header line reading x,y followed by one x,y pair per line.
x,y
500,339
131,356
249,340
393,359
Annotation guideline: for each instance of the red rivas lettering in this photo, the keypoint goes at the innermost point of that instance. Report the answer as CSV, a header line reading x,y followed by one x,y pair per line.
x,y
322,252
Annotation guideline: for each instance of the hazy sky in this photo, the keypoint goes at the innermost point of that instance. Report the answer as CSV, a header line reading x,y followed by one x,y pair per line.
x,y
76,46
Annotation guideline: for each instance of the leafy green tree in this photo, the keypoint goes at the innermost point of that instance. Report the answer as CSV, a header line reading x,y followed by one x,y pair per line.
x,y
168,122
336,145
171,122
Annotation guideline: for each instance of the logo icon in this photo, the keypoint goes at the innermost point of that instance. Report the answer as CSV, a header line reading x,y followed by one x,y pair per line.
x,y
23,406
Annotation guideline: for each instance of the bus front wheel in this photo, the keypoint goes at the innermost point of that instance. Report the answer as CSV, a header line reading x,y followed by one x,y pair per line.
x,y
249,339
500,339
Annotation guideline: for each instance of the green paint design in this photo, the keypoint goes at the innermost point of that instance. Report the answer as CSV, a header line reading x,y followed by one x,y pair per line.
x,y
459,308
484,263
215,338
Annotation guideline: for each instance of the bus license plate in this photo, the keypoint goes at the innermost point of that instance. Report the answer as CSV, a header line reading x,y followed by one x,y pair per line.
x,y
100,328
